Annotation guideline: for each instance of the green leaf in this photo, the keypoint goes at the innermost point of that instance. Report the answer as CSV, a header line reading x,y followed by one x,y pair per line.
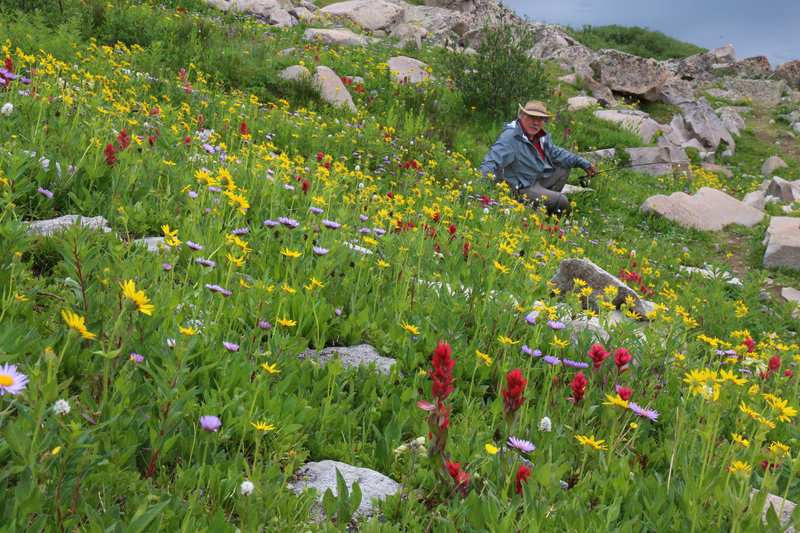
x,y
144,516
329,503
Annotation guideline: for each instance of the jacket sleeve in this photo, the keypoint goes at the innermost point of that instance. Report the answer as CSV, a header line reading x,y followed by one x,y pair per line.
x,y
563,158
499,156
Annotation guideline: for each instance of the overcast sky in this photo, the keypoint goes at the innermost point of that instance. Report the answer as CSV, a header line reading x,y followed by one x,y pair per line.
x,y
769,28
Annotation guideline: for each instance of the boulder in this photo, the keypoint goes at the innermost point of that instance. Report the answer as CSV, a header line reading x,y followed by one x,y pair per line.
x,y
548,45
572,79
322,476
790,294
708,209
372,15
695,66
701,123
581,102
772,163
784,191
783,509
717,169
754,68
409,33
281,18
576,58
63,223
788,72
767,92
408,70
755,199
464,6
434,19
629,74
657,160
731,119
601,92
350,356
335,37
332,89
676,91
598,279
295,73
152,244
632,120
303,14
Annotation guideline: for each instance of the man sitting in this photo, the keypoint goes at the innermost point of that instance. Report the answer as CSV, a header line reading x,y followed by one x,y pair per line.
x,y
525,157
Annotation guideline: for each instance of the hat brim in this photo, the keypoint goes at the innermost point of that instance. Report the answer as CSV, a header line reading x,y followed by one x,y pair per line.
x,y
534,112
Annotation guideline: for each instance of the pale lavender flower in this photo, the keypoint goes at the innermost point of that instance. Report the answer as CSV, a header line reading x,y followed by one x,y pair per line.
x,y
270,223
365,230
526,350
575,364
330,224
213,288
551,360
45,192
363,218
530,318
11,381
555,324
210,422
224,292
231,347
288,222
288,187
338,311
650,414
378,231
319,250
316,210
522,445
192,195
194,245
263,324
137,358
166,266
241,231
205,262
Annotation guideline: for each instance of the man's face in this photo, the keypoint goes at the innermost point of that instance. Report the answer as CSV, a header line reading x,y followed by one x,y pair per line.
x,y
531,125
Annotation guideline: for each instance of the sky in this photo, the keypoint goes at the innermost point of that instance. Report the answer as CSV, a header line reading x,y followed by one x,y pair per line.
x,y
768,28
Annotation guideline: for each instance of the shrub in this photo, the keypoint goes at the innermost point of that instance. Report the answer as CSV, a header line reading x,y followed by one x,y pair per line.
x,y
500,74
637,41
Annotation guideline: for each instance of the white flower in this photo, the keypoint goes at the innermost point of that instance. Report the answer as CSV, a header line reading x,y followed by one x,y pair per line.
x,y
61,407
246,488
507,211
357,168
545,425
485,210
7,109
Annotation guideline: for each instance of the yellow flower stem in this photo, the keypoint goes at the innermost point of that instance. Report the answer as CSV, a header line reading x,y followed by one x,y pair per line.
x,y
710,437
107,359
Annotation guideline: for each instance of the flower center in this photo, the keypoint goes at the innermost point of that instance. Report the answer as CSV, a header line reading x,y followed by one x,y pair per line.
x,y
6,381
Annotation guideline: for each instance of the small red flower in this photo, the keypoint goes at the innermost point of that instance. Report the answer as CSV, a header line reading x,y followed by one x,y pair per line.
x,y
243,129
788,373
512,394
305,185
775,363
578,385
621,357
110,155
465,250
598,354
441,374
123,141
750,343
523,473
624,393
320,155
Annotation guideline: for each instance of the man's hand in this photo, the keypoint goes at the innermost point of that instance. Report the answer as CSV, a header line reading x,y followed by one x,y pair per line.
x,y
591,171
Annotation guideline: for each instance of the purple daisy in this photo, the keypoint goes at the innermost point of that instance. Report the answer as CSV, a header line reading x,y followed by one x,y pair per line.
x,y
166,266
210,422
338,311
530,318
522,445
319,250
205,262
194,245
316,210
213,288
555,324
11,381
575,364
363,218
263,324
650,414
330,224
365,230
288,222
551,360
271,223
378,231
241,231
224,292
526,350
192,195
136,358
171,342
288,187
231,347
45,192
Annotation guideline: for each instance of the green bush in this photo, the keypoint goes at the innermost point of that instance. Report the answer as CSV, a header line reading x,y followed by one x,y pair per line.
x,y
634,40
500,74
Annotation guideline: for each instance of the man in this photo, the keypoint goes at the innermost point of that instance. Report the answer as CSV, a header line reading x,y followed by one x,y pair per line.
x,y
525,157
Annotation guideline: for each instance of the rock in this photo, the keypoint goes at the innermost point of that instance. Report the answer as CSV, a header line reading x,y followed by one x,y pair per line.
x,y
433,19
630,74
287,52
755,199
783,508
754,68
771,164
581,102
708,209
788,72
635,121
409,33
791,294
576,58
303,14
360,354
676,91
600,156
785,191
322,476
56,225
657,161
332,89
372,15
783,243
153,244
295,73
601,92
767,92
334,37
572,79
408,70
701,123
548,45
695,66
717,169
464,6
731,119
708,272
598,279
281,18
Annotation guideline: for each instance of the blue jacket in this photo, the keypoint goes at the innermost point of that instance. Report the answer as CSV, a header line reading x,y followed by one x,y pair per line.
x,y
514,159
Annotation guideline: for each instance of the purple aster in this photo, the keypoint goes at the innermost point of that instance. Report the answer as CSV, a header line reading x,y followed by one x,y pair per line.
x,y
210,422
288,222
214,189
192,195
338,311
288,187
316,210
575,364
555,324
213,288
136,358
378,231
522,445
263,324
330,224
231,347
650,414
193,245
270,223
365,230
363,218
241,231
205,262
319,250
45,192
166,266
224,292
171,343
530,318
208,148
11,381
551,360
526,350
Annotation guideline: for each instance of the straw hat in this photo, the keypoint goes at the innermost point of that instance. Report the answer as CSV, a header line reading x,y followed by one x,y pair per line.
x,y
535,108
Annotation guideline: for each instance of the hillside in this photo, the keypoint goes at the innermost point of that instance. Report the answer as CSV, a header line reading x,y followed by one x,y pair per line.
x,y
246,255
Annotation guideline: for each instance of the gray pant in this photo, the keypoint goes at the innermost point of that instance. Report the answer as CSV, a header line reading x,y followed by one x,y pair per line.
x,y
549,190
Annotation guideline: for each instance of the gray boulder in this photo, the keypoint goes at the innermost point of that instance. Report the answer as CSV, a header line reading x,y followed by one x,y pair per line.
x,y
632,120
772,163
372,15
783,508
731,119
767,92
701,123
358,355
63,223
695,66
708,209
601,92
407,33
581,102
433,19
295,73
408,70
784,191
790,294
598,279
322,476
576,58
676,91
331,88
788,72
629,74
338,37
658,160
755,199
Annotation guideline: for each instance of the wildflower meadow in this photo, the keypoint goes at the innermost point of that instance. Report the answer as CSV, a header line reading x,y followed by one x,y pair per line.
x,y
149,374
